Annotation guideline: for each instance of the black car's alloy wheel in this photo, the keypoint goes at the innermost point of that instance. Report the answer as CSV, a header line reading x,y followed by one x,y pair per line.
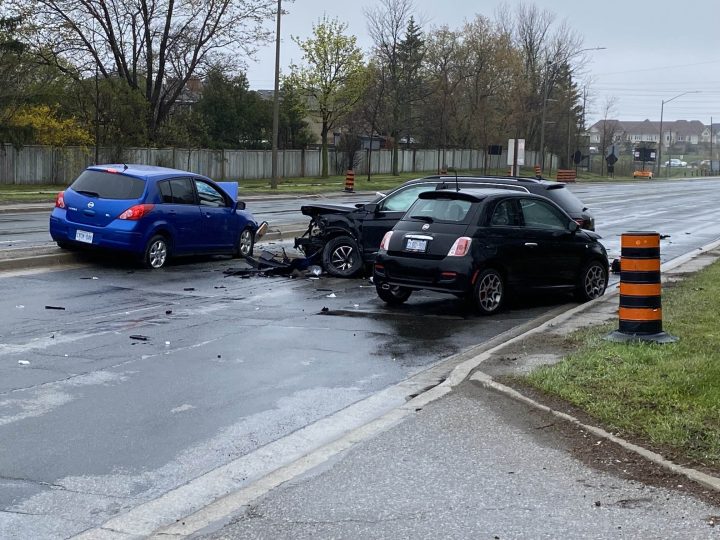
x,y
246,242
341,257
489,294
592,282
392,294
156,252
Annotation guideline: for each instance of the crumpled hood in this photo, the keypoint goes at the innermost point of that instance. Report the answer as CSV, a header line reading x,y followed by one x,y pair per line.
x,y
318,209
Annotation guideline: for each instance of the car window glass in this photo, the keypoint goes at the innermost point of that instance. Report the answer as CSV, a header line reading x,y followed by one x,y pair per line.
x,y
505,215
208,195
165,191
401,200
108,185
452,210
182,191
540,215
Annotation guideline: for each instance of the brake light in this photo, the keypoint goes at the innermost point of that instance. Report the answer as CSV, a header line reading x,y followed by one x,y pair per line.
x,y
386,240
112,171
461,247
136,212
60,200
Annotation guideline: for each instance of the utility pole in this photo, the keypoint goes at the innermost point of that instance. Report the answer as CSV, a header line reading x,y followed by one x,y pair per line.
x,y
711,154
276,103
662,107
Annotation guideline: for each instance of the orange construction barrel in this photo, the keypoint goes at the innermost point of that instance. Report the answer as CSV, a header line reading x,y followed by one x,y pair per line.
x,y
640,312
538,171
350,181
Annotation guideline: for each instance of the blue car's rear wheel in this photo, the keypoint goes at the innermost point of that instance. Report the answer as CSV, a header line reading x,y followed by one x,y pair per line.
x,y
156,252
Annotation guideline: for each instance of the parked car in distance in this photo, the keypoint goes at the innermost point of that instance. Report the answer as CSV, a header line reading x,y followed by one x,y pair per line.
x,y
483,243
343,238
674,162
152,213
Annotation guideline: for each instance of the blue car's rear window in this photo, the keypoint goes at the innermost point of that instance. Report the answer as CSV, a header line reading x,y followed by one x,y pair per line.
x,y
105,185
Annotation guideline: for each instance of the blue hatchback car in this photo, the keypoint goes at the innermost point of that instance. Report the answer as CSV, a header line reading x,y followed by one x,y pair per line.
x,y
154,213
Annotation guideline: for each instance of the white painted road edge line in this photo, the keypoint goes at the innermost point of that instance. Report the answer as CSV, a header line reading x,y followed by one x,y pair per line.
x,y
143,521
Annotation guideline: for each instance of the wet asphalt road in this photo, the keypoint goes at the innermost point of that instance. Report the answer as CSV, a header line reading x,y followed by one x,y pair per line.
x,y
98,422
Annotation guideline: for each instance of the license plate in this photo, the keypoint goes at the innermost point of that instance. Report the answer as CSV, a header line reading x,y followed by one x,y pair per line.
x,y
416,245
83,236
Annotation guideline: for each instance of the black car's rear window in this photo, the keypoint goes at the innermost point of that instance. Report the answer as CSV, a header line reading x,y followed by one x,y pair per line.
x,y
564,198
105,185
452,210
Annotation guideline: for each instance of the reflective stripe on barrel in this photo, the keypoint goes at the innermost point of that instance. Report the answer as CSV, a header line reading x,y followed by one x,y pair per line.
x,y
640,290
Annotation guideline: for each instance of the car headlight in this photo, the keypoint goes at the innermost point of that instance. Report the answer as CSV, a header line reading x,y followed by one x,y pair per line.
x,y
316,227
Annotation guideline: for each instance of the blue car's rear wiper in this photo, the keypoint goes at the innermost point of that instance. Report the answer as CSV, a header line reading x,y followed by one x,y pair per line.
x,y
88,193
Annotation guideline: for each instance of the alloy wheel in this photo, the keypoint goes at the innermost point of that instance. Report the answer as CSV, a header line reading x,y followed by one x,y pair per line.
x,y
489,292
157,255
343,257
595,281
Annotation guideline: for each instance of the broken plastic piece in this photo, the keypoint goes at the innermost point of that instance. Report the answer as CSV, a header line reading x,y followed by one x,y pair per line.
x,y
315,270
139,337
189,289
325,309
55,307
331,295
23,362
168,312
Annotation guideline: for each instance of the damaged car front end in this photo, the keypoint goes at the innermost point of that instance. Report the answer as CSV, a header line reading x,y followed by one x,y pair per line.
x,y
331,238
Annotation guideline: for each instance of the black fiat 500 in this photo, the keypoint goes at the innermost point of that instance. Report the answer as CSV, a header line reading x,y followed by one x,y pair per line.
x,y
481,244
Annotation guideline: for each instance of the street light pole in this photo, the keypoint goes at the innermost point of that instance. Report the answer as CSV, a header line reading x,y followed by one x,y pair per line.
x,y
660,145
546,94
276,103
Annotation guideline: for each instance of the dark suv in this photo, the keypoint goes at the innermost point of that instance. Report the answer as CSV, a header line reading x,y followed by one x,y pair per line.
x,y
343,238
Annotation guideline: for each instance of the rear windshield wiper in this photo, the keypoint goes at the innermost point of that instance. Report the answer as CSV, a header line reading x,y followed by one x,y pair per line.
x,y
88,193
423,218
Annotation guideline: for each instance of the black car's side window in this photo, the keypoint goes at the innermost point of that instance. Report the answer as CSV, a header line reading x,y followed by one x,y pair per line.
x,y
540,215
208,195
182,191
165,191
506,214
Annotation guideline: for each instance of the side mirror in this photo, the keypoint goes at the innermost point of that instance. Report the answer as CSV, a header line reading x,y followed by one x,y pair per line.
x,y
370,207
240,205
574,227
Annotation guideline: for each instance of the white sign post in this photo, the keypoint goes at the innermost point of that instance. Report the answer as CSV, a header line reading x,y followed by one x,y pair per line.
x,y
516,155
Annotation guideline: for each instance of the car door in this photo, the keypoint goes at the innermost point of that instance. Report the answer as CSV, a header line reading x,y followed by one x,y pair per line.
x,y
504,240
181,212
217,230
388,212
554,252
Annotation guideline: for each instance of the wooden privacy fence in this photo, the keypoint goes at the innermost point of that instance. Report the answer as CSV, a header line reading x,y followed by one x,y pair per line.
x,y
47,165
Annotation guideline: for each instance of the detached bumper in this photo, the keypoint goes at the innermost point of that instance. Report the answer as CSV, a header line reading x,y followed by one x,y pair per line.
x,y
310,246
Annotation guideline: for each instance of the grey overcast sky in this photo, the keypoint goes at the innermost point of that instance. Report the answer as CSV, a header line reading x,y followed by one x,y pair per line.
x,y
655,50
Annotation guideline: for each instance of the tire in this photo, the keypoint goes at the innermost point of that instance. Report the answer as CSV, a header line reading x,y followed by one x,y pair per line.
x,y
245,243
394,295
592,281
62,244
341,257
489,292
156,252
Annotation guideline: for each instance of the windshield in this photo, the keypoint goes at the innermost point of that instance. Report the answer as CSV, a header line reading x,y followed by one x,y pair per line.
x,y
565,199
105,185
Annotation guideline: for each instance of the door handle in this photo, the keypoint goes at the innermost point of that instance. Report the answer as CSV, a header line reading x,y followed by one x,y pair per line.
x,y
530,244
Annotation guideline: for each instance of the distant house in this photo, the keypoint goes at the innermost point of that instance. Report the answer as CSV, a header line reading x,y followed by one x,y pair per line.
x,y
689,132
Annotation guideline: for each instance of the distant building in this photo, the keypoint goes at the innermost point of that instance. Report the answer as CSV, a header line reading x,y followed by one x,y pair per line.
x,y
688,132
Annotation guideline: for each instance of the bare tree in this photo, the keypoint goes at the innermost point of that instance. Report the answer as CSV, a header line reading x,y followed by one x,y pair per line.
x,y
608,130
154,46
386,25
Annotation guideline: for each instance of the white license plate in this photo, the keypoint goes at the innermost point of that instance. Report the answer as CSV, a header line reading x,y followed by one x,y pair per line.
x,y
416,245
83,236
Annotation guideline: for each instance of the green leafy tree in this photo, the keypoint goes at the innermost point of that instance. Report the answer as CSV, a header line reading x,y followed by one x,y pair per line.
x,y
294,131
331,77
235,116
